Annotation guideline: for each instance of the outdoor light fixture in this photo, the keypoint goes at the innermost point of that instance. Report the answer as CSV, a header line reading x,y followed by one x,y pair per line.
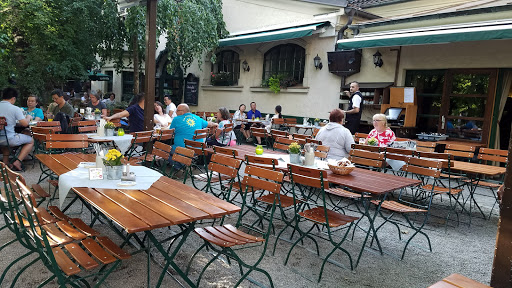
x,y
245,66
377,59
318,64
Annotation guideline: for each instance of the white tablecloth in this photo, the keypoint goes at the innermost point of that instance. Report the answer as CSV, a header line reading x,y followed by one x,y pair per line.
x,y
79,177
122,142
284,160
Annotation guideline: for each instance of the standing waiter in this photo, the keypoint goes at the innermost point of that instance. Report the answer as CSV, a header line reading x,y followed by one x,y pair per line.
x,y
353,114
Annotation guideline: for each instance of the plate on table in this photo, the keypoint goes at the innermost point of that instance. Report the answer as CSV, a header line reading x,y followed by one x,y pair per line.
x,y
127,183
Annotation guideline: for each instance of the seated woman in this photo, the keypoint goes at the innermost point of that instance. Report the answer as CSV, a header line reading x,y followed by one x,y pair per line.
x,y
336,136
277,115
220,138
238,120
161,118
95,103
33,112
381,131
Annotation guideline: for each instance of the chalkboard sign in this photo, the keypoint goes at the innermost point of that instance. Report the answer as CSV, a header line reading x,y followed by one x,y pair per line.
x,y
191,89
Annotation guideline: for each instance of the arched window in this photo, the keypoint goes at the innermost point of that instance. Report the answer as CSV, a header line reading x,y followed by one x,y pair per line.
x,y
226,70
286,60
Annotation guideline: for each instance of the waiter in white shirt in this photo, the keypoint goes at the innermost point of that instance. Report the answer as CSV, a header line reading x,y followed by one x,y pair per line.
x,y
355,109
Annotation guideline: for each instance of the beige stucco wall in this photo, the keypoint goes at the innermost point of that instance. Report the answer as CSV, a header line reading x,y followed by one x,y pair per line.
x,y
319,95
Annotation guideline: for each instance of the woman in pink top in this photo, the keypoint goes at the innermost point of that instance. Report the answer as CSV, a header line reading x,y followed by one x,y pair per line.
x,y
381,131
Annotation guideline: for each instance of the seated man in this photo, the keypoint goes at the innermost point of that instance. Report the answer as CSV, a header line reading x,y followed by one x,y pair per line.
x,y
13,114
185,124
61,104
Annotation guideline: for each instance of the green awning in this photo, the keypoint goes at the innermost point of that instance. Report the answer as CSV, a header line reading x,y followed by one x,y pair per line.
x,y
430,35
98,77
268,36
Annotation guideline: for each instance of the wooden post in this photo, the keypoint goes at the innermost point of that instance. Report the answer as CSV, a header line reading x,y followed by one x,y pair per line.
x,y
501,267
149,89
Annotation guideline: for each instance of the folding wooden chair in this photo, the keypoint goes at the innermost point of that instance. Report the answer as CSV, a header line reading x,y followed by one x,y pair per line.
x,y
367,159
260,133
442,187
225,151
140,144
367,148
311,140
182,161
86,126
397,154
278,123
290,122
227,239
159,157
63,249
199,162
54,125
359,135
301,136
222,168
319,215
423,146
322,151
418,202
315,132
461,153
283,143
166,136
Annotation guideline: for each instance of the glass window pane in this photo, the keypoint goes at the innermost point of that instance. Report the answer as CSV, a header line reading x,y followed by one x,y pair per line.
x,y
464,129
470,84
467,106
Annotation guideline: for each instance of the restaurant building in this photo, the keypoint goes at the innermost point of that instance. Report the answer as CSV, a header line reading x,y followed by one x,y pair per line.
x,y
454,53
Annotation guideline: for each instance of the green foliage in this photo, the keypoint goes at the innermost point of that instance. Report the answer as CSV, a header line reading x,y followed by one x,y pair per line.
x,y
193,27
277,82
46,42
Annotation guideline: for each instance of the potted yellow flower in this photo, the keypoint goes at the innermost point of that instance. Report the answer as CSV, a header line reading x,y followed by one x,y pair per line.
x,y
113,164
294,150
109,129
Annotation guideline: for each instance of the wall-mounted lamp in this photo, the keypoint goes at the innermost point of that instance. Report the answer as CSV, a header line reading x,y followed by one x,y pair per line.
x,y
377,59
245,66
318,62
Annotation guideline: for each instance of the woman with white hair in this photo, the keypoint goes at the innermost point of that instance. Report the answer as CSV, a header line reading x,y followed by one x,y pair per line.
x,y
381,131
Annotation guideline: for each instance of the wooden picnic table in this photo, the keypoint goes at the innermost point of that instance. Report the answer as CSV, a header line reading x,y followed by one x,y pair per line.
x,y
166,203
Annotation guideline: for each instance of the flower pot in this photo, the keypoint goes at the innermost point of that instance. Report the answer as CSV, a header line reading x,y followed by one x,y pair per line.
x,y
109,132
295,159
114,172
316,124
97,116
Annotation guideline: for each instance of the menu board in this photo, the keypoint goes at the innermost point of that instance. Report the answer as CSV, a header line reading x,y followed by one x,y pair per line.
x,y
191,90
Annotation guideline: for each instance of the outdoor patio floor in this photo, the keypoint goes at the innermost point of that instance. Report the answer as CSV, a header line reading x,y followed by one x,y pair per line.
x,y
462,249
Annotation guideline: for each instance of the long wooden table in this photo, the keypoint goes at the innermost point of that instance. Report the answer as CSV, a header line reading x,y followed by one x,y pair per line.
x,y
166,203
361,180
475,171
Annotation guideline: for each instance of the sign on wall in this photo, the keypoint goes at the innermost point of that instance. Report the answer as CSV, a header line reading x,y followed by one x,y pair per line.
x,y
191,89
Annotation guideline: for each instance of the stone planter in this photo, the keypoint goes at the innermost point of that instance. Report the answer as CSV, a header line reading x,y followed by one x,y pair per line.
x,y
295,159
114,172
109,132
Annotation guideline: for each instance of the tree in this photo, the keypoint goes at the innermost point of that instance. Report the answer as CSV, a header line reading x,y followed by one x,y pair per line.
x,y
192,28
49,41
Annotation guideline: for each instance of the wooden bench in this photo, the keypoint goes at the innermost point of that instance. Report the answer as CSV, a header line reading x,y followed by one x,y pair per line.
x,y
458,281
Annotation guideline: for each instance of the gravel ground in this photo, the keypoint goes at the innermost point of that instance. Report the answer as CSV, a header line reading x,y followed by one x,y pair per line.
x,y
463,249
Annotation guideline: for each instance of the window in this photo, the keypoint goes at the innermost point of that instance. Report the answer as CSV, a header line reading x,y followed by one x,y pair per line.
x,y
128,85
286,60
226,69
110,82
454,101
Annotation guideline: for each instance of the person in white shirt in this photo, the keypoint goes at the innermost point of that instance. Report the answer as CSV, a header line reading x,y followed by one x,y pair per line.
x,y
277,115
12,115
164,120
171,108
238,120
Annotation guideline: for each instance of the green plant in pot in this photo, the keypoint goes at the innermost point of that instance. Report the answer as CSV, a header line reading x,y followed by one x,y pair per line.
x,y
294,150
109,129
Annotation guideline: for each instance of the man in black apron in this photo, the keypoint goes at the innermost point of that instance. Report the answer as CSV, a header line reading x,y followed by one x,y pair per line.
x,y
355,109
